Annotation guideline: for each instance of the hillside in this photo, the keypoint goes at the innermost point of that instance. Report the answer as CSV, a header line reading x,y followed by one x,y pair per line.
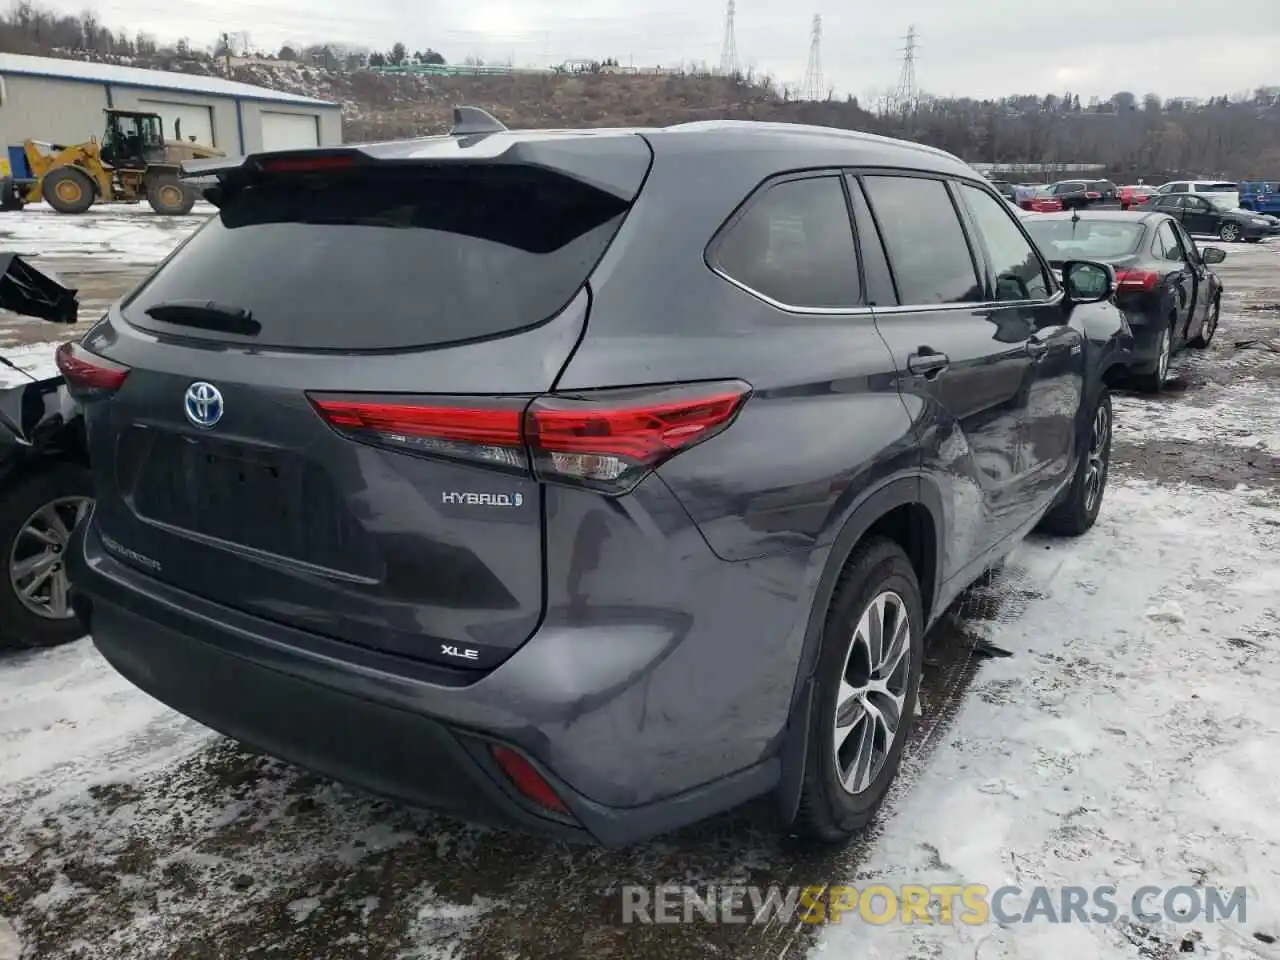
x,y
1131,136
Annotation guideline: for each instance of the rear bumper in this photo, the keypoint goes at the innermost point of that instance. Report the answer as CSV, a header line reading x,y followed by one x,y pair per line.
x,y
407,730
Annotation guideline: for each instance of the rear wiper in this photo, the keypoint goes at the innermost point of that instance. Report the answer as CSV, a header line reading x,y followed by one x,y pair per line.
x,y
207,315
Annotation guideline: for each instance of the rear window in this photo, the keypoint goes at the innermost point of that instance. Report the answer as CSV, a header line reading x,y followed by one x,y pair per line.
x,y
411,258
1063,239
1216,188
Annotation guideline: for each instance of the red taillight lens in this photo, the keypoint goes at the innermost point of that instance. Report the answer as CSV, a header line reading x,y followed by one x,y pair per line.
x,y
87,373
1136,280
526,779
612,438
490,434
606,439
318,164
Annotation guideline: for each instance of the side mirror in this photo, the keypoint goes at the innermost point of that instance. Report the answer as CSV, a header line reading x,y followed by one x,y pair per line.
x,y
1087,281
1213,255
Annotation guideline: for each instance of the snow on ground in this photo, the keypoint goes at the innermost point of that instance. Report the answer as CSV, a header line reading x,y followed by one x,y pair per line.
x,y
1129,739
31,360
119,233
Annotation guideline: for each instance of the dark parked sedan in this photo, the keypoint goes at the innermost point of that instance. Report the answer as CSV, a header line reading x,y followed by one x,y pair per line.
x,y
1201,216
1163,282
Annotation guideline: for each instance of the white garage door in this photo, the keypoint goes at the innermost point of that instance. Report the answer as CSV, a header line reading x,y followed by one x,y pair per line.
x,y
289,131
195,121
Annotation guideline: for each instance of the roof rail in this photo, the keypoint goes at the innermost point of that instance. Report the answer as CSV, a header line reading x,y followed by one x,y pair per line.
x,y
472,121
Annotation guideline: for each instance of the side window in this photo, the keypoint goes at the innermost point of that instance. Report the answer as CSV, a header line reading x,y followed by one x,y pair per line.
x,y
875,268
1179,188
1168,246
1188,243
794,245
926,245
1196,204
1170,204
1014,264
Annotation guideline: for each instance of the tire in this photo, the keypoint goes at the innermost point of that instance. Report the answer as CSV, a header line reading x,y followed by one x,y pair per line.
x,y
1229,232
1205,337
169,196
1076,513
20,503
68,190
1153,382
828,812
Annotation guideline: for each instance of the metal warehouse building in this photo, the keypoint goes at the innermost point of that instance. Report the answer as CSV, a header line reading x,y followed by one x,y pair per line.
x,y
61,101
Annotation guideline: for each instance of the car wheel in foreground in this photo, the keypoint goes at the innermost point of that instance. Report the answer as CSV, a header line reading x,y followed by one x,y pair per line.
x,y
1205,337
868,680
1229,232
1153,381
36,517
1078,511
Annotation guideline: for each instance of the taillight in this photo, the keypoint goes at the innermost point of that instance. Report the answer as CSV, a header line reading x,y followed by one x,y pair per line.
x,y
319,163
605,439
609,439
1134,280
87,374
526,779
487,432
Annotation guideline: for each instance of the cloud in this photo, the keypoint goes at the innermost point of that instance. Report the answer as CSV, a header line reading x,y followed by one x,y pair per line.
x,y
1091,47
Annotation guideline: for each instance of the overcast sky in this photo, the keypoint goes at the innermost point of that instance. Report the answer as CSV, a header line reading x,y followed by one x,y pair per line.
x,y
981,49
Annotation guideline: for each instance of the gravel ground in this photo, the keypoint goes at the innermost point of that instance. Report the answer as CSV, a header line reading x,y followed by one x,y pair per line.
x,y
129,832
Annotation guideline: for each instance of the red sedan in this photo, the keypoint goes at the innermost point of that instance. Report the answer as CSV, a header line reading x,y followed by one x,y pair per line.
x,y
1039,202
1135,194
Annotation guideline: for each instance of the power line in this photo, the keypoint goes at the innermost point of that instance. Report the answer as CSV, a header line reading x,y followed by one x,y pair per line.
x,y
814,88
729,47
907,93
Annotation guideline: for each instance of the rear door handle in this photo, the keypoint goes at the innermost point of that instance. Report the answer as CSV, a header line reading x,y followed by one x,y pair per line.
x,y
1037,348
928,365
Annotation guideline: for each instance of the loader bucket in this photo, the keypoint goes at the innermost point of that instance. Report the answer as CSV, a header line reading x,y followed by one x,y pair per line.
x,y
25,290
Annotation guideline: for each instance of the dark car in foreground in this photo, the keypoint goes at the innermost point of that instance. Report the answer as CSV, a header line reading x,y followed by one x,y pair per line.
x,y
1201,215
45,485
582,480
1169,296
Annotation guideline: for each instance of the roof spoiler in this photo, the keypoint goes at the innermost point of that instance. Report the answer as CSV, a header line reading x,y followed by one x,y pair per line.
x,y
467,122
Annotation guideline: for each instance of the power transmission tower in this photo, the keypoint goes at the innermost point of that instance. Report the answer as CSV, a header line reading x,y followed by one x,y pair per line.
x,y
815,88
729,46
907,93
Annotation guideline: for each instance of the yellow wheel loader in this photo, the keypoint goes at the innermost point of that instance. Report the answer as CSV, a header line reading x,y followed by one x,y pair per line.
x,y
132,163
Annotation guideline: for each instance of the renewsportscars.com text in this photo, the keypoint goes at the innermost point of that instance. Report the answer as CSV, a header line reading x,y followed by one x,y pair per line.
x,y
967,904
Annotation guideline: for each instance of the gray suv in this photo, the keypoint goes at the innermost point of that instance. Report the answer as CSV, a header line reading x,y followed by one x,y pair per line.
x,y
591,482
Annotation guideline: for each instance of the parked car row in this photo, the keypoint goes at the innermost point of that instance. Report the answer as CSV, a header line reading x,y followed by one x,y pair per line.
x,y
1165,288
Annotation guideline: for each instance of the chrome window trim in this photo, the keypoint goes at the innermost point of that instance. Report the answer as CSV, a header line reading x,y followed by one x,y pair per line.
x,y
866,310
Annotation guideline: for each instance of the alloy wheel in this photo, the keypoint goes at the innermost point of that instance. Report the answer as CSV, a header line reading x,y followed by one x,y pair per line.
x,y
873,691
37,571
1095,477
1230,232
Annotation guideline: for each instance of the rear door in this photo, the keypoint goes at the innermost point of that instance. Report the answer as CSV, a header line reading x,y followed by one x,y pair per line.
x,y
1180,275
1200,216
963,362
323,420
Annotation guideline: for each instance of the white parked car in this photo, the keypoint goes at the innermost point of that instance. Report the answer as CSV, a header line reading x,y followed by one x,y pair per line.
x,y
1222,194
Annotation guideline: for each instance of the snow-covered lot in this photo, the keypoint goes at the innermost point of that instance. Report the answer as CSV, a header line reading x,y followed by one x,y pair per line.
x,y
1130,739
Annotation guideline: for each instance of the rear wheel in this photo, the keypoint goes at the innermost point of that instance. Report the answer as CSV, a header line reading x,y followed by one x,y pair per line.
x,y
37,515
169,196
1153,381
68,190
11,198
1078,510
1210,327
868,680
